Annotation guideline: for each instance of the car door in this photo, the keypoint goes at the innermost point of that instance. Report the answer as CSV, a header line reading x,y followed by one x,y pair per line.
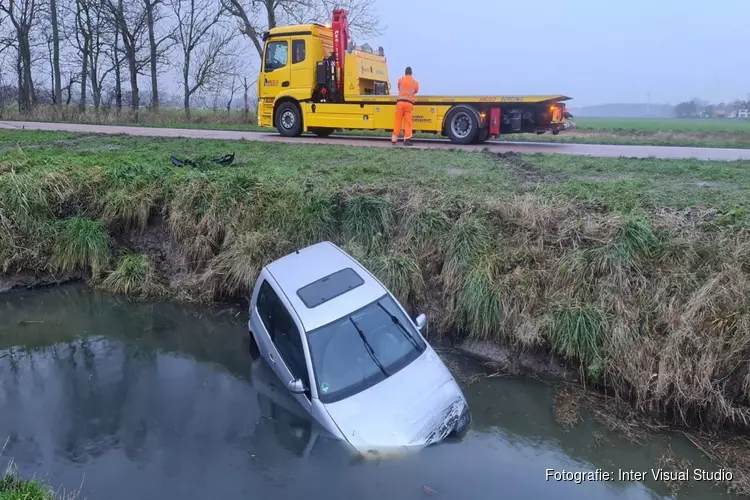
x,y
284,351
277,71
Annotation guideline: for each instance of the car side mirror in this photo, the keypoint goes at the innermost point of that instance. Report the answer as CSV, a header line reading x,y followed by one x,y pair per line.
x,y
421,321
297,387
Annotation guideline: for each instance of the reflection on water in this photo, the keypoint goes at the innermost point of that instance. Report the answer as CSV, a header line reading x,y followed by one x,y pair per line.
x,y
165,401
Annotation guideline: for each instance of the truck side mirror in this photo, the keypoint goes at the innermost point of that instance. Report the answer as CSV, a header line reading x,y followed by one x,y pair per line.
x,y
296,387
421,321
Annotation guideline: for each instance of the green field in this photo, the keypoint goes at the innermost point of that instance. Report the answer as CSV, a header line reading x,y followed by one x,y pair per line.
x,y
665,125
619,183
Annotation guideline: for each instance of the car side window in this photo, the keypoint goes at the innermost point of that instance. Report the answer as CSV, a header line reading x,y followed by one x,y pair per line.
x,y
283,331
277,54
288,342
298,51
265,304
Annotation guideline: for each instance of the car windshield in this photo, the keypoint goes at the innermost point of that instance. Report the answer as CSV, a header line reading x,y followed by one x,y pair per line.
x,y
361,349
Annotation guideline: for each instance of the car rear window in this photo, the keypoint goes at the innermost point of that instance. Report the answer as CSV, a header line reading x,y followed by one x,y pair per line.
x,y
329,287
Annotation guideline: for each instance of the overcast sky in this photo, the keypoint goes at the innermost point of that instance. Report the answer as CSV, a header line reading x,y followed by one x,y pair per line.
x,y
596,51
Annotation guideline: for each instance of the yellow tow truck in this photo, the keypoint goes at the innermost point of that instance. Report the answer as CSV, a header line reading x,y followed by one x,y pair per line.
x,y
314,79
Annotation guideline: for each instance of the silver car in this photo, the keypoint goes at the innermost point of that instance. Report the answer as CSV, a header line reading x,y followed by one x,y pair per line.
x,y
350,355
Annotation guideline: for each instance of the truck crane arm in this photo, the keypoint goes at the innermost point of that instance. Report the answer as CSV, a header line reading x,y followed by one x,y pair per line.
x,y
340,28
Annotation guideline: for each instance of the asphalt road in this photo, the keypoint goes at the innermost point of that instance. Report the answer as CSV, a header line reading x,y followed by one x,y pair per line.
x,y
597,150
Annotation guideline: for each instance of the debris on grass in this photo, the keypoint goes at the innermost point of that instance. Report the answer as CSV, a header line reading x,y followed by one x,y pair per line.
x,y
568,406
731,454
669,461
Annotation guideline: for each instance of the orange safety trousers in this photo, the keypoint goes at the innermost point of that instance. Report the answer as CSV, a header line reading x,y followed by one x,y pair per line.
x,y
404,111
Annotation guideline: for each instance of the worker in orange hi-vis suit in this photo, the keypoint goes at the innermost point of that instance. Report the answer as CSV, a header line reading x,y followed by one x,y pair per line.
x,y
407,90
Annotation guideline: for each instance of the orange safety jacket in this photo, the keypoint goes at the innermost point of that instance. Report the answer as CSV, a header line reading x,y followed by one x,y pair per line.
x,y
408,87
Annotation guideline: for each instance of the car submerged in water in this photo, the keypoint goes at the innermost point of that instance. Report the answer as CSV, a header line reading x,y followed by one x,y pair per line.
x,y
350,355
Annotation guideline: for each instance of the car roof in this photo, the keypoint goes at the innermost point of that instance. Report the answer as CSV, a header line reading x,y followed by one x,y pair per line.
x,y
312,263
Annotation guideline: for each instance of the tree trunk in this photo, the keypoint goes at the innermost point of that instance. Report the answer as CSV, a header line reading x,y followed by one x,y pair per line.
x,y
56,53
130,55
26,95
247,102
94,54
231,95
118,74
21,95
133,69
186,86
96,92
152,43
84,73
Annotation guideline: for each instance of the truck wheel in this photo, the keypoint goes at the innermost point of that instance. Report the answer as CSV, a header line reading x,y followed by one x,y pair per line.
x,y
322,132
484,134
462,125
288,120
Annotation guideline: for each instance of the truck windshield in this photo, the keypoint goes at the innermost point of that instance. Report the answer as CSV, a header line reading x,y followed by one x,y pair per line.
x,y
362,349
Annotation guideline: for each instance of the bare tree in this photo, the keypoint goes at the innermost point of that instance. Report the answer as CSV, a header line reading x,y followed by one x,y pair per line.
x,y
23,15
131,22
117,63
55,53
160,44
234,87
257,16
205,46
83,38
72,79
98,34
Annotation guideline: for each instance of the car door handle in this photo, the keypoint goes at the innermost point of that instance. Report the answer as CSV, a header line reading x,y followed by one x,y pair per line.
x,y
270,357
284,84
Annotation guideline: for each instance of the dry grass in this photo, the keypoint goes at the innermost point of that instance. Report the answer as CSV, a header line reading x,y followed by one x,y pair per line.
x,y
669,461
233,271
145,116
567,407
731,454
135,276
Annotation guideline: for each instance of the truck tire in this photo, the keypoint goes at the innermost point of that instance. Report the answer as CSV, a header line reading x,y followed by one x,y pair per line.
x,y
462,125
484,134
322,132
289,120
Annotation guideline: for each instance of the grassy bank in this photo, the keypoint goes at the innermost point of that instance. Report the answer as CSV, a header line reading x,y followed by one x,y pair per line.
x,y
722,133
13,487
637,272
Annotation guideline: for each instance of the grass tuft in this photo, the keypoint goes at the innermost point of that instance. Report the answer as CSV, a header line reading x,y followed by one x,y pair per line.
x,y
135,275
82,245
303,216
367,219
129,207
13,487
234,270
577,332
468,238
401,274
426,225
479,303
